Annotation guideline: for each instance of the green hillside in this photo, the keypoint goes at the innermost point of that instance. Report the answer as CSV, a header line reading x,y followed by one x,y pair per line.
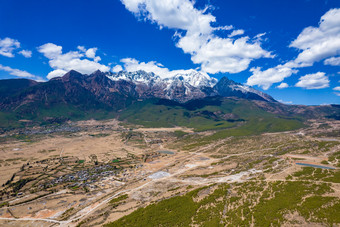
x,y
234,116
228,116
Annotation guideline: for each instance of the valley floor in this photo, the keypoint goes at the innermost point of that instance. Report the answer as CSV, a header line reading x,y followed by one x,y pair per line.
x,y
96,173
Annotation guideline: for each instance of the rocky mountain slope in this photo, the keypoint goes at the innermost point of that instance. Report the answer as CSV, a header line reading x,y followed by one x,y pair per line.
x,y
114,90
183,87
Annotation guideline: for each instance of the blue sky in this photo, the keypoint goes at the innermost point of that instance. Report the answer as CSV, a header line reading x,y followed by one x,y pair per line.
x,y
266,43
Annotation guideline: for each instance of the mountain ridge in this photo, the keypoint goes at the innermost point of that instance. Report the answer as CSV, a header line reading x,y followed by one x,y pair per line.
x,y
180,87
183,87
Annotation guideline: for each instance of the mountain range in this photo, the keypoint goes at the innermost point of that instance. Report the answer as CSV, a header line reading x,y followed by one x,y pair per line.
x,y
102,95
137,85
183,87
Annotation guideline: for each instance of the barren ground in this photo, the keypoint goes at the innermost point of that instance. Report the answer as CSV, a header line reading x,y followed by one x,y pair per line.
x,y
69,178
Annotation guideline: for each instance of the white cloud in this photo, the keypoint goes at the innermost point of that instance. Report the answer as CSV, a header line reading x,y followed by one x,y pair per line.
x,y
117,68
316,43
50,50
213,53
19,73
335,61
225,28
313,81
56,73
266,78
132,65
259,36
321,42
81,48
225,55
336,88
71,60
26,53
337,94
91,53
7,45
236,32
174,14
283,85
16,72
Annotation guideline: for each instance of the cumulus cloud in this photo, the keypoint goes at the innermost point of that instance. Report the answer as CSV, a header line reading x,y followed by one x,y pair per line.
x,y
91,53
223,55
174,14
56,73
26,53
7,46
50,50
266,78
75,60
195,35
283,85
19,73
117,68
313,81
315,43
335,61
336,88
321,42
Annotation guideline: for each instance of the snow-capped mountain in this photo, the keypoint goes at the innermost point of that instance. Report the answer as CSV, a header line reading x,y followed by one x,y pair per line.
x,y
193,78
190,77
117,90
136,77
226,88
181,87
186,85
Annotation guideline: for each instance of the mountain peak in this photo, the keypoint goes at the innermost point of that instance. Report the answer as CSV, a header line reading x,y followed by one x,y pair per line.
x,y
225,80
226,87
72,73
195,78
97,72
